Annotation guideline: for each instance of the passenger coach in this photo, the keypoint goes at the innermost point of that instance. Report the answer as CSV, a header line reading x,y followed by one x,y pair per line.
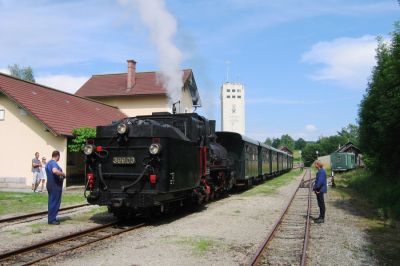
x,y
255,161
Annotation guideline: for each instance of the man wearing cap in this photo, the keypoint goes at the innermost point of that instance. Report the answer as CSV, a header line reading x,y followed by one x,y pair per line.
x,y
55,179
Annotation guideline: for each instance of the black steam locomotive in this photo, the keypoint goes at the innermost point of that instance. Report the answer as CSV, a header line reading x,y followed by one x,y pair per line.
x,y
162,160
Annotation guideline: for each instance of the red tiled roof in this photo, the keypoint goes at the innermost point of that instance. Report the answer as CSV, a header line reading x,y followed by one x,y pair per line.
x,y
59,111
116,85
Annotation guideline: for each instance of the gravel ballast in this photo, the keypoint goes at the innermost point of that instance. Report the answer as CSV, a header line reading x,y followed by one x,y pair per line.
x,y
227,232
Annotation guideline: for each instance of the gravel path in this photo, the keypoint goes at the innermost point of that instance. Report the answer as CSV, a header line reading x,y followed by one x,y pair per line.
x,y
228,232
341,239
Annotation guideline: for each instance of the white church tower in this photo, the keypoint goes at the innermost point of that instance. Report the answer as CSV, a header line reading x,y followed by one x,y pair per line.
x,y
232,107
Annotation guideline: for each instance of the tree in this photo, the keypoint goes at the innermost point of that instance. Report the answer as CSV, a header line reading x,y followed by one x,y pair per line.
x,y
300,144
309,154
268,141
379,112
276,142
25,73
287,141
327,145
80,137
351,133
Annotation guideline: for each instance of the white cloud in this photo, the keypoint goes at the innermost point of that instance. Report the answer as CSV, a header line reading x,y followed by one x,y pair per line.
x,y
5,71
62,82
310,128
346,60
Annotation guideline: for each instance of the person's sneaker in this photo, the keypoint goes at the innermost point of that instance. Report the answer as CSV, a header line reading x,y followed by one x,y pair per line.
x,y
55,223
319,221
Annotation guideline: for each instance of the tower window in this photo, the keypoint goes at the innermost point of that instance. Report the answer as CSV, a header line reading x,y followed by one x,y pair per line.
x,y
233,90
228,96
233,96
239,96
228,90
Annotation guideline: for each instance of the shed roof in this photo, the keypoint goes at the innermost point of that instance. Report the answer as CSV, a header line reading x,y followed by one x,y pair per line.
x,y
60,112
349,147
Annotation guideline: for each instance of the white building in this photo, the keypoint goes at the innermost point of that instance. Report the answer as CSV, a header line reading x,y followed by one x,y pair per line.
x,y
232,107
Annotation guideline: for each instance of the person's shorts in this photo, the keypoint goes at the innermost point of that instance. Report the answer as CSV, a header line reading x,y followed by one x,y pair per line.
x,y
36,177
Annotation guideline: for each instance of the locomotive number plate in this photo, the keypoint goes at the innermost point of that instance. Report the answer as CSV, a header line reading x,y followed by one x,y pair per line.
x,y
124,160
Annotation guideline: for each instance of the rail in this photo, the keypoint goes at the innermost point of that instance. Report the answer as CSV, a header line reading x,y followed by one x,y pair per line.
x,y
256,259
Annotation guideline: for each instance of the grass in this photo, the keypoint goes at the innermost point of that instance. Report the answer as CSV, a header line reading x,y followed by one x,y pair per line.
x,y
270,187
199,245
362,191
19,203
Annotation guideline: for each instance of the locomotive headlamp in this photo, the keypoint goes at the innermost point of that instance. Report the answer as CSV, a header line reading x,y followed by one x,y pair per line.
x,y
155,149
88,149
122,128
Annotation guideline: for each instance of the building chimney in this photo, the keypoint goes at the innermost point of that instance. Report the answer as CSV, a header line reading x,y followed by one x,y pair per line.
x,y
131,73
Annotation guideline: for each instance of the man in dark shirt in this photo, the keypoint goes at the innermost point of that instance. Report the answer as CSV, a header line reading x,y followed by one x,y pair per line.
x,y
320,188
55,179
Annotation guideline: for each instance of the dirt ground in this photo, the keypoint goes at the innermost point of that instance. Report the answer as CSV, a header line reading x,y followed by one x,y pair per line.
x,y
225,232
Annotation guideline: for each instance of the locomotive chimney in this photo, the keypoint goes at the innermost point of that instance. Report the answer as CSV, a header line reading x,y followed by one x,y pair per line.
x,y
131,77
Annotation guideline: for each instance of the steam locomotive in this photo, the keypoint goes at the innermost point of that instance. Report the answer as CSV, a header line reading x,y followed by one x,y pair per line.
x,y
153,163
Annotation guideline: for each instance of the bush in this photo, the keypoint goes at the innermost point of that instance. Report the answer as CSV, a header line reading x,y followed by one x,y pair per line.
x,y
382,193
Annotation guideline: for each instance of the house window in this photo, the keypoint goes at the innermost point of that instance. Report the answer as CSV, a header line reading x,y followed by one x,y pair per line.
x,y
233,96
2,114
228,90
233,90
239,96
228,96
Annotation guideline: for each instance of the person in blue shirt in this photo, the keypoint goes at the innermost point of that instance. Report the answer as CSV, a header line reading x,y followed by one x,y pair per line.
x,y
55,179
320,188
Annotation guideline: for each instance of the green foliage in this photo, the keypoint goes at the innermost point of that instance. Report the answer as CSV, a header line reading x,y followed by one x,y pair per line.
x,y
25,73
309,154
276,142
350,133
379,112
268,141
287,141
327,145
300,144
80,137
382,193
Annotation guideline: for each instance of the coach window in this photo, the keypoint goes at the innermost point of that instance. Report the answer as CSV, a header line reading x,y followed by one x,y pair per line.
x,y
2,114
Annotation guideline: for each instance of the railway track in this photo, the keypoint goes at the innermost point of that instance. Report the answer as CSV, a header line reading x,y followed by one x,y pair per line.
x,y
53,247
38,215
287,242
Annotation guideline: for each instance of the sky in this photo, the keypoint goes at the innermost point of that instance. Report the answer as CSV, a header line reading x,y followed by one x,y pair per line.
x,y
305,64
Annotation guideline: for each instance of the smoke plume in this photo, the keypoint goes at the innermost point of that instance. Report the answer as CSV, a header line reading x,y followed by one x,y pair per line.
x,y
163,27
